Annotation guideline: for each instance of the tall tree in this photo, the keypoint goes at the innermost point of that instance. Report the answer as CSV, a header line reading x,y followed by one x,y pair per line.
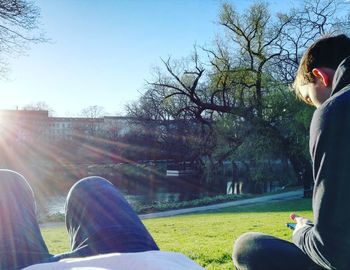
x,y
248,68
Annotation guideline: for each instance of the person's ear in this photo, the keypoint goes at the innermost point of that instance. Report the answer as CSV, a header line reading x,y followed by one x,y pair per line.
x,y
323,74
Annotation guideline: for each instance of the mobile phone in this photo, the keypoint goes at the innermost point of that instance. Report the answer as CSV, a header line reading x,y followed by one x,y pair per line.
x,y
291,225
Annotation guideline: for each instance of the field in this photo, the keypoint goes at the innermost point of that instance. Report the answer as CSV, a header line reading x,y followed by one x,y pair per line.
x,y
208,238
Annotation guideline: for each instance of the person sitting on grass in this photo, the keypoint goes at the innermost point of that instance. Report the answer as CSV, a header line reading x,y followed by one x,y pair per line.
x,y
99,221
322,80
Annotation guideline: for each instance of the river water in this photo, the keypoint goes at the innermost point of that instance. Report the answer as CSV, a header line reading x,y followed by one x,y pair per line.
x,y
174,191
55,204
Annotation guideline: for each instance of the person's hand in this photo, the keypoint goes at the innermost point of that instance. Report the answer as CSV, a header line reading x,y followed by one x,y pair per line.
x,y
300,221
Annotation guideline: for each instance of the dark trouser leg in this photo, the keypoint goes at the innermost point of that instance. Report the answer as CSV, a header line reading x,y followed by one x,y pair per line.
x,y
21,243
99,220
256,251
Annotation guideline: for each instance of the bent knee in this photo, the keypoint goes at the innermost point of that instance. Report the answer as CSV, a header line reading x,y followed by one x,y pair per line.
x,y
247,249
13,182
89,185
10,176
91,181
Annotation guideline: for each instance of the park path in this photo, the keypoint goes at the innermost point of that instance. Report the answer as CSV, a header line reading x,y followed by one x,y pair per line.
x,y
290,195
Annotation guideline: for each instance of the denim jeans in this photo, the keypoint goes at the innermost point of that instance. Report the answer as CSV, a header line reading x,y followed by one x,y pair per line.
x,y
98,218
21,243
257,251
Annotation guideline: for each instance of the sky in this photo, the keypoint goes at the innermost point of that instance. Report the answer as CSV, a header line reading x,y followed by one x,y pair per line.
x,y
102,52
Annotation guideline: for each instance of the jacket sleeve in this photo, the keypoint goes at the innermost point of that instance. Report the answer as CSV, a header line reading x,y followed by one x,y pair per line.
x,y
327,242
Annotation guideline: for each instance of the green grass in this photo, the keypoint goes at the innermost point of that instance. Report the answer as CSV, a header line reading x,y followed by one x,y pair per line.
x,y
208,238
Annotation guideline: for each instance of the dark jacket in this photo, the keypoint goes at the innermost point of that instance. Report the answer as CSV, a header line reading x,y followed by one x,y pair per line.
x,y
327,241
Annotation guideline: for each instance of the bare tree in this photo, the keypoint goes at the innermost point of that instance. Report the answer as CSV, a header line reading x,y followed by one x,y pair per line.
x,y
316,18
39,106
19,26
249,67
245,64
93,112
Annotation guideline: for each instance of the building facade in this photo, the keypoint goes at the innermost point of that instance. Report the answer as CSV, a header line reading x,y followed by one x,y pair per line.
x,y
28,125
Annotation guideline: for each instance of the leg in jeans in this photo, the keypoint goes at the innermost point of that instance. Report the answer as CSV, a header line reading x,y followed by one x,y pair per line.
x,y
99,220
256,251
21,243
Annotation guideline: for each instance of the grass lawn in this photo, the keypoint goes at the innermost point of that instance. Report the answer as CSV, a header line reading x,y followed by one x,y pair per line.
x,y
208,238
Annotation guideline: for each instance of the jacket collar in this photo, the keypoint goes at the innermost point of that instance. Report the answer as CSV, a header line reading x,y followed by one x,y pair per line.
x,y
341,76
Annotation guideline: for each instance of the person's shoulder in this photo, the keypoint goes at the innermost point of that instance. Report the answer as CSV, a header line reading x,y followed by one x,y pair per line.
x,y
339,103
332,114
340,97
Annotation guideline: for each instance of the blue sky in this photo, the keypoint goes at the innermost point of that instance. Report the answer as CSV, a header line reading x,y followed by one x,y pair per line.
x,y
101,52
